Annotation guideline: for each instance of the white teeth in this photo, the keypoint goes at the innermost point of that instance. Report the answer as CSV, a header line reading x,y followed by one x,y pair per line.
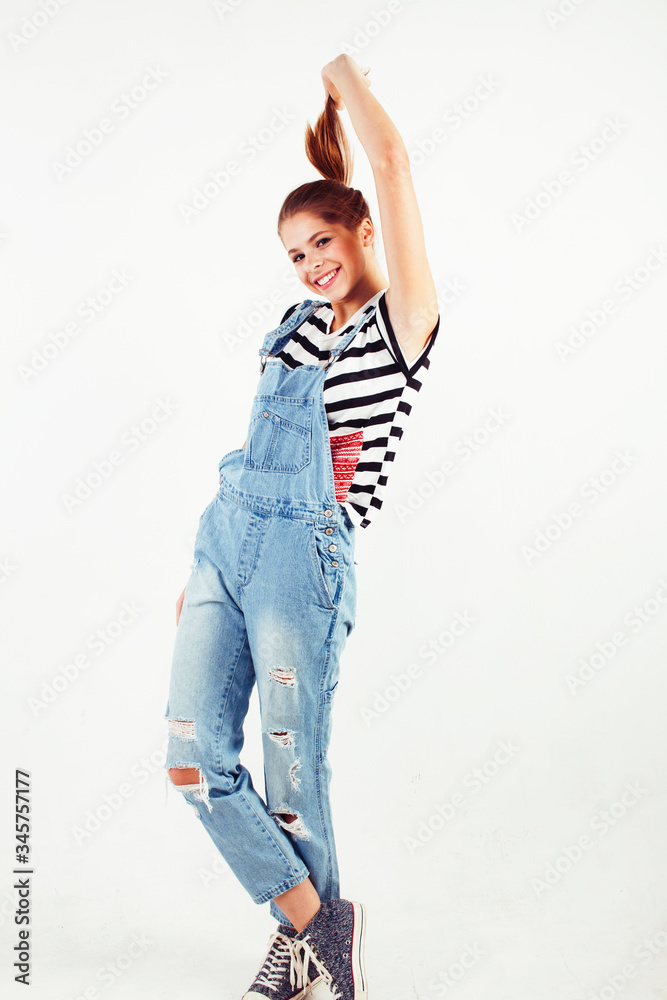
x,y
323,281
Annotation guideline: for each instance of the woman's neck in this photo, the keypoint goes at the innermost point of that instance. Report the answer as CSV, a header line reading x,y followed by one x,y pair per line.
x,y
345,309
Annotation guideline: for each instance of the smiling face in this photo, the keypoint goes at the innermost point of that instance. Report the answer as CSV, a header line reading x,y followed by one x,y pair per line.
x,y
320,249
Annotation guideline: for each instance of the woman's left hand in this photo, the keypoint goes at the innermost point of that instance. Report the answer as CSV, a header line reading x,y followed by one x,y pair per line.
x,y
332,68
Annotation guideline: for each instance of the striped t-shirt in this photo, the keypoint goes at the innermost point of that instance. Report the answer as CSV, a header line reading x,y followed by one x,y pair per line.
x,y
368,395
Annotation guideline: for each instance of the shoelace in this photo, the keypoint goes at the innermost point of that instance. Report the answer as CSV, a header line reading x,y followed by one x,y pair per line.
x,y
281,950
308,955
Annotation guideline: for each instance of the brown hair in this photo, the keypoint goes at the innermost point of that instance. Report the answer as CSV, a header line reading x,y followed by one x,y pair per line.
x,y
328,150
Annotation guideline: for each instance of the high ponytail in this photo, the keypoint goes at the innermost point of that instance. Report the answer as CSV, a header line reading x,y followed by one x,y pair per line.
x,y
329,151
327,145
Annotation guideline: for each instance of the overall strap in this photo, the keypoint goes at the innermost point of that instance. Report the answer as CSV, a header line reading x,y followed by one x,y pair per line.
x,y
276,339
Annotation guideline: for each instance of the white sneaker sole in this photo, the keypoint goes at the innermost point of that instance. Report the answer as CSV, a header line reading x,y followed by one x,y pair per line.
x,y
358,946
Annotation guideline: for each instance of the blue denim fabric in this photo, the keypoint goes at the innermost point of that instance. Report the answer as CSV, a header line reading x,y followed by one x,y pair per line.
x,y
270,600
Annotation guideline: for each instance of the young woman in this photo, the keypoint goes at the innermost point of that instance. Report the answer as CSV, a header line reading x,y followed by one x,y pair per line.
x,y
272,594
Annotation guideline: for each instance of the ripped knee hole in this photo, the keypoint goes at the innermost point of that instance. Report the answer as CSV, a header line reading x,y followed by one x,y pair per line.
x,y
185,775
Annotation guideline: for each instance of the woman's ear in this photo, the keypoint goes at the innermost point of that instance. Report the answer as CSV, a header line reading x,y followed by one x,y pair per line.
x,y
367,231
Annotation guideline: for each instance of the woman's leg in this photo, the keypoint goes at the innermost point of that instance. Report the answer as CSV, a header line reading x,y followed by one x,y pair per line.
x,y
298,622
299,904
211,681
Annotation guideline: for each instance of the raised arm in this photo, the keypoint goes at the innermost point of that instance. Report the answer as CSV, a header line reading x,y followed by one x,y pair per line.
x,y
411,298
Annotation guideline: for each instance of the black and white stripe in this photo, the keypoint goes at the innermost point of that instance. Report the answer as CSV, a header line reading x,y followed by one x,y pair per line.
x,y
371,387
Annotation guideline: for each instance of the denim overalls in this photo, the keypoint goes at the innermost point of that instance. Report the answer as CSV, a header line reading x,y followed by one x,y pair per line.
x,y
271,599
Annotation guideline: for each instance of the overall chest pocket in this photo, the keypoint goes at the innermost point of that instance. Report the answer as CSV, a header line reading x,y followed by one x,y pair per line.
x,y
279,436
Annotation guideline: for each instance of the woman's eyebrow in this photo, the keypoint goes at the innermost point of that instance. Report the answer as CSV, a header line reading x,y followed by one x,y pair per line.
x,y
314,236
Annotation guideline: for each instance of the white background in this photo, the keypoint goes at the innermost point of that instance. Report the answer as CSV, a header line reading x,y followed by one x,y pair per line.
x,y
518,888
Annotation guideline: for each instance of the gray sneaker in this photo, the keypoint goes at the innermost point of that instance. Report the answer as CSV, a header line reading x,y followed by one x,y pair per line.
x,y
333,945
284,974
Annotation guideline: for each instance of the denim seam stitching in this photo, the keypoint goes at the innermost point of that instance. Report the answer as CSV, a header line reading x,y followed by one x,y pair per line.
x,y
254,521
223,706
318,750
